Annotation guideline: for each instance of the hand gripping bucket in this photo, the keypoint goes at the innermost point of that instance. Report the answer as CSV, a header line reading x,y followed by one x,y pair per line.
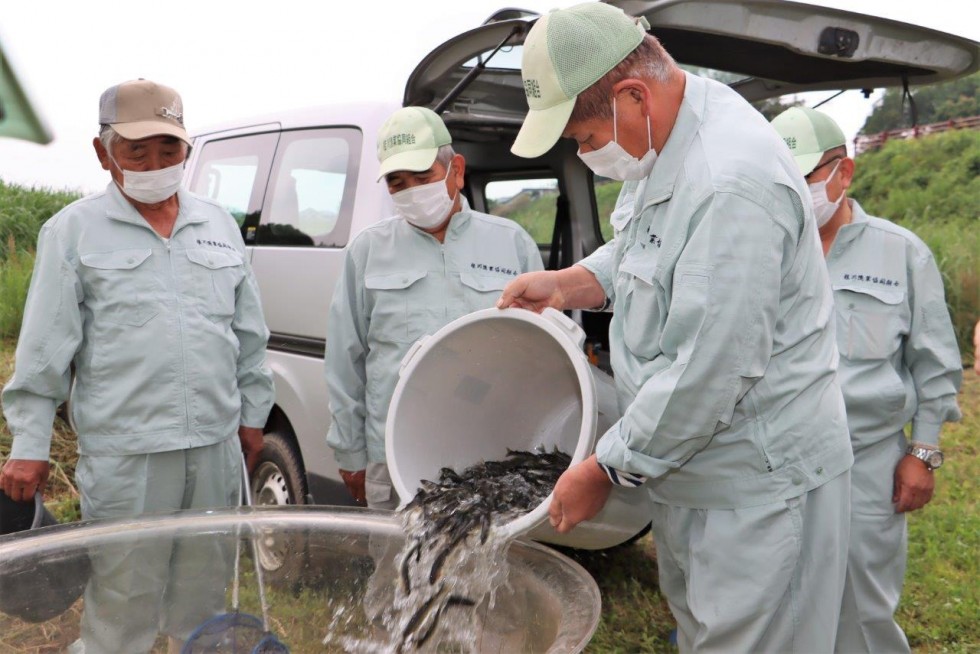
x,y
513,379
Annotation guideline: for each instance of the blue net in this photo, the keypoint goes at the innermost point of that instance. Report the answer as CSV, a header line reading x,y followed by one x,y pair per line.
x,y
233,633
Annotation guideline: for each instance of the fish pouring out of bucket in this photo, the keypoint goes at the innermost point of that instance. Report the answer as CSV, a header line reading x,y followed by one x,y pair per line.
x,y
452,563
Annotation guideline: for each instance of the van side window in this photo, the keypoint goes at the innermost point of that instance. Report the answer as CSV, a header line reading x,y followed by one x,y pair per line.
x,y
528,202
233,171
310,196
606,193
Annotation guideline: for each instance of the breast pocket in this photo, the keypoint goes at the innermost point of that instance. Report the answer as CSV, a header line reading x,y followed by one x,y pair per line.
x,y
120,286
644,306
216,276
481,291
396,312
870,324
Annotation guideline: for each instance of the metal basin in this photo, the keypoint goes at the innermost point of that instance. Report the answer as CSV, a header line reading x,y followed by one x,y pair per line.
x,y
317,565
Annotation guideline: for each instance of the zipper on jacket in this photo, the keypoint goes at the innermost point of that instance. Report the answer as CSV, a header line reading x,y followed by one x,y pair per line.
x,y
180,332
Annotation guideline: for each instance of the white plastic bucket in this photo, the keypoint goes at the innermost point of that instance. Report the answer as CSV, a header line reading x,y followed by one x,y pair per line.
x,y
496,380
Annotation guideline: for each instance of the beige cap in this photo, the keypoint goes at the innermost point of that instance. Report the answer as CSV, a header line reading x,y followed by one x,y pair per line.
x,y
140,108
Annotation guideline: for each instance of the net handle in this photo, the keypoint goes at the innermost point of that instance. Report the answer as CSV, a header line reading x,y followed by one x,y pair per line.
x,y
255,550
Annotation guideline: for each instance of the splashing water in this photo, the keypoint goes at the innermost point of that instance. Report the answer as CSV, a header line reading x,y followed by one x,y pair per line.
x,y
440,590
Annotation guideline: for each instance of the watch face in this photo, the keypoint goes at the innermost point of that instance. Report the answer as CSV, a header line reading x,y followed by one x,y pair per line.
x,y
935,459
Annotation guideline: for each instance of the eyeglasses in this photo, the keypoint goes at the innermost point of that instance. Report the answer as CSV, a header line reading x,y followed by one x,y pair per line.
x,y
826,163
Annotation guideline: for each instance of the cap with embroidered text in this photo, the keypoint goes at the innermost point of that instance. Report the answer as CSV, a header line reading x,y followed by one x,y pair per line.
x,y
410,140
566,52
808,134
139,109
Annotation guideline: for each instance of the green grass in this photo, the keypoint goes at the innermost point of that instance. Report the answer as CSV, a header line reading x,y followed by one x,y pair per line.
x,y
941,601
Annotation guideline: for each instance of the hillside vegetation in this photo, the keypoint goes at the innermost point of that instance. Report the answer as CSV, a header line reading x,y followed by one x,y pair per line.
x,y
933,103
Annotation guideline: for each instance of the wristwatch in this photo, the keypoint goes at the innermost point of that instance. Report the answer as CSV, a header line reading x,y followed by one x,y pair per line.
x,y
933,458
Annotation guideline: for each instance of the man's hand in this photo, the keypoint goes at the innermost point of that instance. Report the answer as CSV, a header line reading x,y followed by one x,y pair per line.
x,y
535,291
579,495
21,478
251,439
570,288
914,484
354,480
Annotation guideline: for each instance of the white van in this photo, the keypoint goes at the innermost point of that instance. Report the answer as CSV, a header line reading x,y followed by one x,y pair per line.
x,y
302,183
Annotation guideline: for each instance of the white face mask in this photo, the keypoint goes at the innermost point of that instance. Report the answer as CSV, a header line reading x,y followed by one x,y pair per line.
x,y
426,206
151,186
612,161
823,207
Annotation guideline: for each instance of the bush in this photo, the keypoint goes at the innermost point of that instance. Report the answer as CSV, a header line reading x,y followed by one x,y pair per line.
x,y
15,278
931,186
24,210
22,213
936,178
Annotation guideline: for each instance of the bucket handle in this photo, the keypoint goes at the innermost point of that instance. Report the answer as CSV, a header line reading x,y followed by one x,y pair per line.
x,y
566,325
412,351
38,510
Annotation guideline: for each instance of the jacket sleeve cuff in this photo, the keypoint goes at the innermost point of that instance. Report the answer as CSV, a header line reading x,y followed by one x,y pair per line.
x,y
623,478
253,416
612,452
595,267
31,449
925,432
352,461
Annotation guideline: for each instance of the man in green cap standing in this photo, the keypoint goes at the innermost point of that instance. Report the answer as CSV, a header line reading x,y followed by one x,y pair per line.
x,y
722,339
404,277
899,364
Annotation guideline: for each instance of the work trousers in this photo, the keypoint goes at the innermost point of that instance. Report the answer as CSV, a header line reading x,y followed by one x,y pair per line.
x,y
758,579
876,556
142,586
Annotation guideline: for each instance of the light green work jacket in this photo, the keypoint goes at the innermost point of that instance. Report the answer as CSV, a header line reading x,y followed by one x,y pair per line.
x,y
397,284
167,336
722,339
899,357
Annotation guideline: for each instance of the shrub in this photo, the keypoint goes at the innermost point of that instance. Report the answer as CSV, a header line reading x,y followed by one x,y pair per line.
x,y
24,210
15,278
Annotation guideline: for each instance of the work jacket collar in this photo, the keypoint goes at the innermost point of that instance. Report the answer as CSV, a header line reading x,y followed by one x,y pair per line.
x,y
121,209
660,182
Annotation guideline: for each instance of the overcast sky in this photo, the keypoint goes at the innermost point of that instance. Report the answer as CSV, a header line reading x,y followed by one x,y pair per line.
x,y
232,59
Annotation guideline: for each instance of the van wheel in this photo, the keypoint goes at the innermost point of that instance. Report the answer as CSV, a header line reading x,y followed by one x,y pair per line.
x,y
279,480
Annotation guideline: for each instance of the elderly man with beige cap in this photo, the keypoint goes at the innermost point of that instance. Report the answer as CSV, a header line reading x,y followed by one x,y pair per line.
x,y
900,365
146,289
722,338
407,276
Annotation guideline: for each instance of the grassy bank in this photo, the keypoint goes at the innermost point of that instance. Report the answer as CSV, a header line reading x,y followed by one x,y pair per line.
x,y
941,598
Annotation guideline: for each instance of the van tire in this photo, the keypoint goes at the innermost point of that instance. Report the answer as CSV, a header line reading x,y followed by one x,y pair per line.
x,y
279,478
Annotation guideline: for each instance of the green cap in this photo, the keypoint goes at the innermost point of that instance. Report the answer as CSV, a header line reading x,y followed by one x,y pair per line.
x,y
808,133
410,140
566,52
